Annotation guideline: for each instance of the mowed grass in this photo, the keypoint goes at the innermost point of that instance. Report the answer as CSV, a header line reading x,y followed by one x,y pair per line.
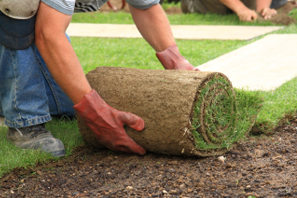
x,y
12,157
179,19
136,53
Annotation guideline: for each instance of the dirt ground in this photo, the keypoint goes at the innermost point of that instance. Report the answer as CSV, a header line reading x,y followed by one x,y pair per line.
x,y
261,167
281,18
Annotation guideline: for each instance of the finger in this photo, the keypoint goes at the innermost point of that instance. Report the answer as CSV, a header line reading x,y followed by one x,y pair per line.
x,y
243,18
249,18
264,12
130,147
196,69
273,12
255,16
131,120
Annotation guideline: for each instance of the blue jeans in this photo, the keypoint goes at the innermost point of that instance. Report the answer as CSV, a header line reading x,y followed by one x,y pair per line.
x,y
28,93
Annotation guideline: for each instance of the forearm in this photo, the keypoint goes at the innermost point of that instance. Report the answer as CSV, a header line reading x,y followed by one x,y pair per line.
x,y
64,66
234,5
261,4
154,26
59,55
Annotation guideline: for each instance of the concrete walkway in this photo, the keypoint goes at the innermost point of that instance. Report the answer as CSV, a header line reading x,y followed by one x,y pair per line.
x,y
193,32
263,65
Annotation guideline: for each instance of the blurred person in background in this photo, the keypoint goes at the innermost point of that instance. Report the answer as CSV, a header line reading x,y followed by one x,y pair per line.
x,y
246,10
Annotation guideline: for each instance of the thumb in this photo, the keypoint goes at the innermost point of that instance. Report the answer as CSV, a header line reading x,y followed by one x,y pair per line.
x,y
254,16
131,147
196,69
133,121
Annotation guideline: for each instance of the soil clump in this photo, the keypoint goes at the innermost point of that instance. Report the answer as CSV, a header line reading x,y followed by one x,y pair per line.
x,y
282,17
262,166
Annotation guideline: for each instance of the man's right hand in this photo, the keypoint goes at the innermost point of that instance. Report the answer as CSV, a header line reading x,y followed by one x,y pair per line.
x,y
107,123
247,15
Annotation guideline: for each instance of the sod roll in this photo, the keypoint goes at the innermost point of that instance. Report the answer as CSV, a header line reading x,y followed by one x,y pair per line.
x,y
185,112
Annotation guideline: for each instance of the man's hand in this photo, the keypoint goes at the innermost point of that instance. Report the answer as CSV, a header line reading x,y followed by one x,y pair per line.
x,y
267,13
154,26
172,59
246,15
263,8
107,123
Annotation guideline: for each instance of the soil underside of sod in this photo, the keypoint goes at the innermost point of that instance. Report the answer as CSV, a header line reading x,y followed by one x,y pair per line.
x,y
165,100
260,167
281,18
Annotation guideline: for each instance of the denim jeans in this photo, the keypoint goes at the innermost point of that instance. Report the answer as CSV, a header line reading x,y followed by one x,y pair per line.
x,y
28,93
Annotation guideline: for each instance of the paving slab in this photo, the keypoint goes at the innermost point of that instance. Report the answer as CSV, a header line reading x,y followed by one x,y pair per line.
x,y
192,32
262,65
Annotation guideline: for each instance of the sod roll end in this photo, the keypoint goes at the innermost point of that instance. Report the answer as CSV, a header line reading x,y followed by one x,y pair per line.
x,y
185,112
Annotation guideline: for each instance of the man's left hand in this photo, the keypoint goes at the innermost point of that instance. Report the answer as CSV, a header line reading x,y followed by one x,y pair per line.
x,y
172,59
267,13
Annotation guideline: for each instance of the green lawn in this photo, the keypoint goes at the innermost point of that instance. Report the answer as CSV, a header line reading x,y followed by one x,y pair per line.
x,y
180,19
136,53
122,17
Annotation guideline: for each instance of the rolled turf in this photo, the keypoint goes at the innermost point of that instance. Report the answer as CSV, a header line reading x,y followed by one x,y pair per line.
x,y
185,112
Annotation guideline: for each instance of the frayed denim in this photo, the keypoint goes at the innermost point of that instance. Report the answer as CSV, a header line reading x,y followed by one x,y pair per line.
x,y
28,93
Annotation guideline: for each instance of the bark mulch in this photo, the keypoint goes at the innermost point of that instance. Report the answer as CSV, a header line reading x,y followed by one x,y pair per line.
x,y
262,166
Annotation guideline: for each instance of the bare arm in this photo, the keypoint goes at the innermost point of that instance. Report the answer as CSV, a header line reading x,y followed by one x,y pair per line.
x,y
58,53
261,4
244,13
154,26
105,122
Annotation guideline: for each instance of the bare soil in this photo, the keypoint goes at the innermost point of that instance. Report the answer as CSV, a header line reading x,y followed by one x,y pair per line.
x,y
261,166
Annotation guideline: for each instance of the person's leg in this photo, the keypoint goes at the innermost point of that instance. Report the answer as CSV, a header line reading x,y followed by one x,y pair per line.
x,y
204,6
28,95
23,97
278,3
22,83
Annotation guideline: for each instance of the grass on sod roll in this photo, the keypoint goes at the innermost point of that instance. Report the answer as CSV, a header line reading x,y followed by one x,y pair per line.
x,y
217,101
136,53
229,117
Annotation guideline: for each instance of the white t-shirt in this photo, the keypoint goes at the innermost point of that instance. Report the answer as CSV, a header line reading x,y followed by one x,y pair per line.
x,y
69,6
